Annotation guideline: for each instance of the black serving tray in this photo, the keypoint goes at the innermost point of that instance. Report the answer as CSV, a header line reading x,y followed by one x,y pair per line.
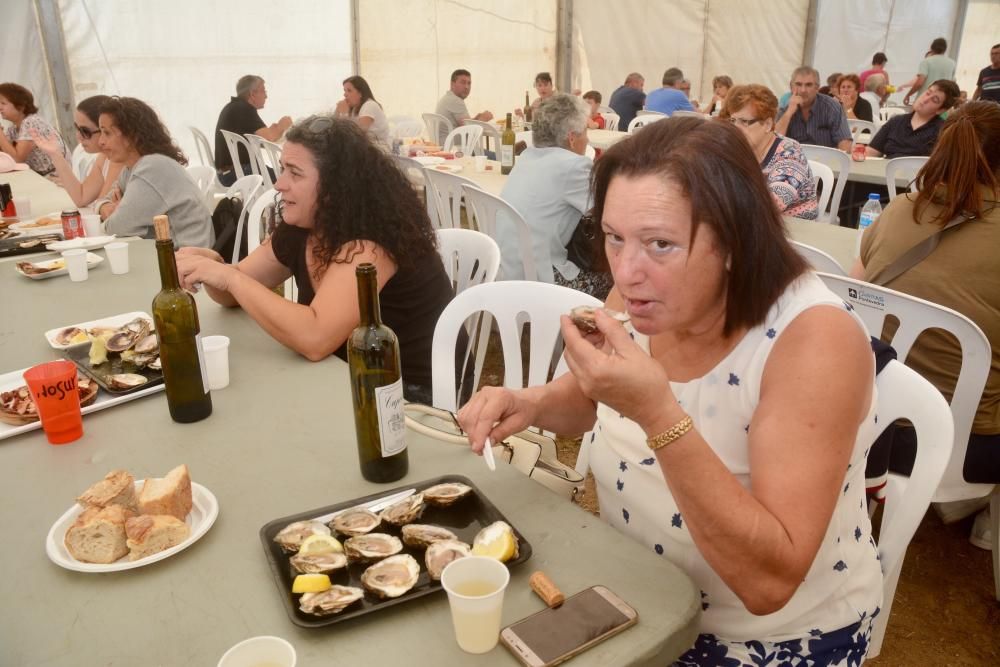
x,y
465,518
80,355
13,245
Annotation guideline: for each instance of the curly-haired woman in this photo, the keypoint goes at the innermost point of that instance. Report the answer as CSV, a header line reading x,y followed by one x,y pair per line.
x,y
17,105
153,181
343,202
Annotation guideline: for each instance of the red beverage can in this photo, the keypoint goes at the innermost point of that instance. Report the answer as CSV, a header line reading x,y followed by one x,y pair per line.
x,y
859,153
72,224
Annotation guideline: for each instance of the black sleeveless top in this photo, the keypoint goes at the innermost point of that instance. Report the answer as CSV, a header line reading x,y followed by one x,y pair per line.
x,y
411,302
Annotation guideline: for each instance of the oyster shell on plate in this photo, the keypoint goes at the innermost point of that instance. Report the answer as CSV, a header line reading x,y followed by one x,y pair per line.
x,y
155,364
71,336
291,536
148,344
439,554
124,381
330,601
355,521
318,563
443,495
405,511
373,546
128,335
391,577
421,535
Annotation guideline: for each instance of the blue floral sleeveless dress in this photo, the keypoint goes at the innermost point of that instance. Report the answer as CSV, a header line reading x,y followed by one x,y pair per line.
x,y
828,620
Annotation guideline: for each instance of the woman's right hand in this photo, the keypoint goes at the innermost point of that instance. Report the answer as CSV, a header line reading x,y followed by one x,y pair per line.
x,y
495,412
189,260
49,142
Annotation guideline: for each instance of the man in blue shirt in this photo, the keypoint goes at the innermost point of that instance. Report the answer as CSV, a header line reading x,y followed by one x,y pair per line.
x,y
811,118
627,99
669,98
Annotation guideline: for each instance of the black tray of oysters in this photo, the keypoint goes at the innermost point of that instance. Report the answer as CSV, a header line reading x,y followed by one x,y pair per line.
x,y
391,547
120,360
14,243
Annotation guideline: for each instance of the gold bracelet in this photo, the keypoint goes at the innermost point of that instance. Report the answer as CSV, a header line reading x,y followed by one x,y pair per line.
x,y
673,433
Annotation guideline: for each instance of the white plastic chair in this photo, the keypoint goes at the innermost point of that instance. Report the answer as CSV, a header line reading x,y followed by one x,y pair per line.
x,y
873,304
445,190
268,155
876,104
840,163
405,127
205,153
466,139
246,188
860,128
684,113
903,167
511,303
233,142
639,122
204,177
470,257
885,113
643,112
490,132
822,174
255,231
818,259
437,126
485,208
611,120
904,394
415,174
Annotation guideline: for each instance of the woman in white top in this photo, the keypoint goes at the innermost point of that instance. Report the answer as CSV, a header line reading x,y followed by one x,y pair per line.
x,y
359,105
17,105
734,408
103,173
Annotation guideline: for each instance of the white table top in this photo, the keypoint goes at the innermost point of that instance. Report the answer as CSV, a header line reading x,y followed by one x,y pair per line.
x,y
280,441
46,197
605,138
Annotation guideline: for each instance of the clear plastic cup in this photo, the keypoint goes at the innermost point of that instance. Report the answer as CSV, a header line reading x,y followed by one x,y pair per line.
x,y
263,651
117,256
76,264
480,161
216,349
475,587
23,207
53,389
92,225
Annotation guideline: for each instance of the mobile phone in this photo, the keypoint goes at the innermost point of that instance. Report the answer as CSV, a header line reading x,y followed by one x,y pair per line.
x,y
555,635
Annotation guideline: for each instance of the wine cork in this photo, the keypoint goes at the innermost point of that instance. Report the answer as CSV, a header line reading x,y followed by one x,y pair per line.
x,y
162,227
546,589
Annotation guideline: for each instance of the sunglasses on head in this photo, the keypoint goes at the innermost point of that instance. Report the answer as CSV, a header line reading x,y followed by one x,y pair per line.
x,y
85,132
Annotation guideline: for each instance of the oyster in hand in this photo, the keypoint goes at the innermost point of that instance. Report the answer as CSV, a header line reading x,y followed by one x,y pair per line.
x,y
391,577
584,317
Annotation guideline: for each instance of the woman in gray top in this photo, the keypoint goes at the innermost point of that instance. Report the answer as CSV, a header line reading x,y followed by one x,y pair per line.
x,y
153,181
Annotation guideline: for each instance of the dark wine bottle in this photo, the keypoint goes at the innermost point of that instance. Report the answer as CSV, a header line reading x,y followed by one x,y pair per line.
x,y
376,388
507,141
527,107
175,317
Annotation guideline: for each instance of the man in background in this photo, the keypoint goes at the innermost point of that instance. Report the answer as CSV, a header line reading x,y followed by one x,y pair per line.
x,y
627,99
452,103
811,118
670,97
241,116
988,83
878,67
934,67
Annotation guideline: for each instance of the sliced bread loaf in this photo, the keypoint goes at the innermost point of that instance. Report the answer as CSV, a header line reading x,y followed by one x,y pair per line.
x,y
117,488
98,534
150,534
169,495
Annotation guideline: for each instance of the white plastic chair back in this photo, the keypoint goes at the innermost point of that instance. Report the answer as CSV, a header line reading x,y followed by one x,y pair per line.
x,y
604,108
643,112
255,230
405,127
490,132
818,259
437,126
233,142
511,303
862,131
822,174
840,163
611,120
246,188
902,393
903,167
876,104
268,155
414,172
205,153
885,113
465,139
639,122
485,208
204,177
682,113
470,257
445,190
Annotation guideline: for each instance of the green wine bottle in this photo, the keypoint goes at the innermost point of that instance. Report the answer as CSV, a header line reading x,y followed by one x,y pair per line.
x,y
527,108
507,141
175,317
376,388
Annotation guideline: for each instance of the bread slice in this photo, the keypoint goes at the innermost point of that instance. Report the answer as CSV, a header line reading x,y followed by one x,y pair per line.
x,y
170,495
98,534
149,534
117,488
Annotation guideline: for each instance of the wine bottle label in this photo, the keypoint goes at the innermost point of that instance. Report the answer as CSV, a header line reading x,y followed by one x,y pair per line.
x,y
506,155
201,361
391,424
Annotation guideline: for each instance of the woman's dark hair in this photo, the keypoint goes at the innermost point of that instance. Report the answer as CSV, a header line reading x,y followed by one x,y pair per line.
x,y
715,168
91,107
362,196
879,59
137,121
967,154
362,87
20,97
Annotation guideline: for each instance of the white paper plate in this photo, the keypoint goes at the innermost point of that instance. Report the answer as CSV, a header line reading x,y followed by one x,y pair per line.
x,y
28,226
87,243
203,514
15,379
92,261
450,168
113,321
428,159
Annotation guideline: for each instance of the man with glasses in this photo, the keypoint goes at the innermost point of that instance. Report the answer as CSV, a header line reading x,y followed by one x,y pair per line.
x,y
241,116
811,118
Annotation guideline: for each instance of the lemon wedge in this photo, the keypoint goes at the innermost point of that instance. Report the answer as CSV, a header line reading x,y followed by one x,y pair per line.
x,y
311,583
497,541
320,544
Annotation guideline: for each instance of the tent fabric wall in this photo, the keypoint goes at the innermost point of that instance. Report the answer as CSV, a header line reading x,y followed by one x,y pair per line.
x,y
980,34
409,50
24,59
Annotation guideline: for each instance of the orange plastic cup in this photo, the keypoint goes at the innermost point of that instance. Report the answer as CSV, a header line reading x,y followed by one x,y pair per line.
x,y
53,388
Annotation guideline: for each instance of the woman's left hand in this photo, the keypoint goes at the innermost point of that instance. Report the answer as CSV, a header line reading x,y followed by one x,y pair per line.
x,y
342,108
619,374
194,268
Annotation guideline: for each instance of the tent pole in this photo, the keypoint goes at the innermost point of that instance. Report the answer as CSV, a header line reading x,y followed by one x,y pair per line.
x,y
809,48
564,46
50,25
955,43
355,37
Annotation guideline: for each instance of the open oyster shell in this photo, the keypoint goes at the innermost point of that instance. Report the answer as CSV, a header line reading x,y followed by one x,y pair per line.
x,y
583,317
439,554
318,563
373,546
443,495
330,601
405,511
291,536
421,535
356,521
391,577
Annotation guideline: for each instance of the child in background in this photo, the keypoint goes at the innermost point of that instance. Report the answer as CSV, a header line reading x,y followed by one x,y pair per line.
x,y
596,120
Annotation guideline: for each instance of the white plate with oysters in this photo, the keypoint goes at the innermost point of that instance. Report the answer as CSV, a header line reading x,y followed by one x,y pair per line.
x,y
76,334
52,267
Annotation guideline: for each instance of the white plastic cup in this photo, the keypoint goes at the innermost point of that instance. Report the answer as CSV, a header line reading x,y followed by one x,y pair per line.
x,y
76,263
23,207
216,350
475,587
117,256
259,651
480,163
92,225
